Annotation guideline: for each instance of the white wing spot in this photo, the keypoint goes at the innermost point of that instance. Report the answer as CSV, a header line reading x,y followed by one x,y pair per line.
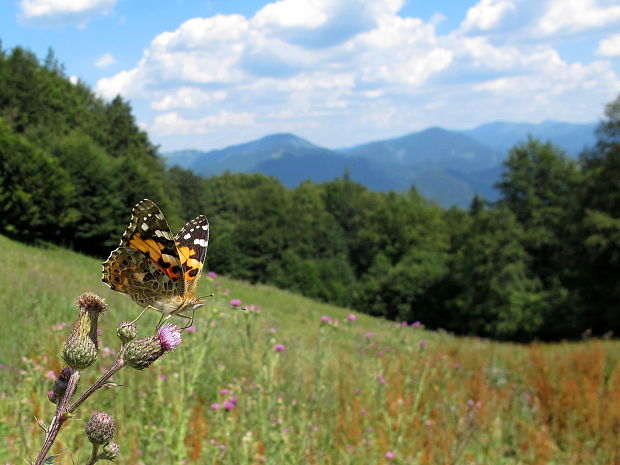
x,y
144,226
187,236
200,242
205,227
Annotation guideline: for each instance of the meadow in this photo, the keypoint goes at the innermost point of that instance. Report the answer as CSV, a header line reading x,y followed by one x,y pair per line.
x,y
292,381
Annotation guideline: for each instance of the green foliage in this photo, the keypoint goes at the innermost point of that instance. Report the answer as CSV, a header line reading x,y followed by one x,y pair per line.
x,y
541,262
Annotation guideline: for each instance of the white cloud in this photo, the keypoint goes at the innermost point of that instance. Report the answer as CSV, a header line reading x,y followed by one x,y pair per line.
x,y
609,47
487,14
174,124
573,16
60,12
188,97
104,60
224,79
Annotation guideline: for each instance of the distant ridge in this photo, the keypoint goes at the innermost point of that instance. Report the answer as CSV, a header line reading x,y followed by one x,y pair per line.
x,y
447,166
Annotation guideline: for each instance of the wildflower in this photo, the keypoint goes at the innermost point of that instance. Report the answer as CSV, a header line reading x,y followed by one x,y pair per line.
x,y
368,335
403,324
229,405
212,274
416,324
235,303
389,455
141,353
422,343
351,318
126,331
325,319
224,392
215,406
60,385
110,451
191,329
279,347
273,330
100,428
80,350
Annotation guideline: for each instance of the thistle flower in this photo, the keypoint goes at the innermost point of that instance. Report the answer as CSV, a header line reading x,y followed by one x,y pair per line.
x,y
126,331
80,350
100,428
60,385
279,347
141,353
110,451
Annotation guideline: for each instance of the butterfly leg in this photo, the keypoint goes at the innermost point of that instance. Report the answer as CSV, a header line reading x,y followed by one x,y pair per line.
x,y
141,313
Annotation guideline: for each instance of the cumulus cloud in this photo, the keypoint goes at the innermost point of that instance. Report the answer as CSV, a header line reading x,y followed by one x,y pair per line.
x,y
609,47
225,78
487,14
572,16
104,60
61,12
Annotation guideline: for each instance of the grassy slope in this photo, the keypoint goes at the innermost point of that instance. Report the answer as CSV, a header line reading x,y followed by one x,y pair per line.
x,y
334,396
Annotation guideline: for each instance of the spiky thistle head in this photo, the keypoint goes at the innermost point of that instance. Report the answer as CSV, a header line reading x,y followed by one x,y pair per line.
x,y
100,428
141,353
80,349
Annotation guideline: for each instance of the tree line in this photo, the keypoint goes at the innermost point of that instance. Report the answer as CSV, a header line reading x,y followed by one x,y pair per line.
x,y
542,262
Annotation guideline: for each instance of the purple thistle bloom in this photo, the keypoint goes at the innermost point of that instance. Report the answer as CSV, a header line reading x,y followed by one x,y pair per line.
x,y
215,406
416,324
169,336
235,303
325,319
224,391
389,455
212,274
191,329
422,343
403,324
279,347
228,405
351,318
368,335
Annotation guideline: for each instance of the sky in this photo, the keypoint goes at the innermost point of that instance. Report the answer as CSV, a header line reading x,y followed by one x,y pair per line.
x,y
209,74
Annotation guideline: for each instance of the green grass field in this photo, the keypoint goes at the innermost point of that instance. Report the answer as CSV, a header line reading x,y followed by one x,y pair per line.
x,y
362,392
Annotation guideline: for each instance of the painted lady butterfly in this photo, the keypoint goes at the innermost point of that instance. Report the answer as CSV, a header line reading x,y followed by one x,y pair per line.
x,y
154,268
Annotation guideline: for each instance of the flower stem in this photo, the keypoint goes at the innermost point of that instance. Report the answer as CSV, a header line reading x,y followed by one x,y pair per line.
x,y
120,363
93,455
60,417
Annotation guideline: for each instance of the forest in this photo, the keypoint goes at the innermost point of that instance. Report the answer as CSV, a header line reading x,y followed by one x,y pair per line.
x,y
543,262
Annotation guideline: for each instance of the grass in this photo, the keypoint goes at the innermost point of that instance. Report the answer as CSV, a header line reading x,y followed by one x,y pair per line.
x,y
362,392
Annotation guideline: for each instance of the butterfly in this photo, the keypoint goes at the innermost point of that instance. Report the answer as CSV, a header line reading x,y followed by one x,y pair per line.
x,y
156,269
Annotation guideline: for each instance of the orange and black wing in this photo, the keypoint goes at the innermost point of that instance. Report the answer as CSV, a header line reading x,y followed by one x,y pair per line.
x,y
192,242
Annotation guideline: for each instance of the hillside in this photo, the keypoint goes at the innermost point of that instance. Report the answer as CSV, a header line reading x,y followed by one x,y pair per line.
x,y
276,381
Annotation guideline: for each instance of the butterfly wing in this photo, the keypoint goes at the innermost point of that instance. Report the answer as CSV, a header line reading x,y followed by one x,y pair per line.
x,y
192,242
147,261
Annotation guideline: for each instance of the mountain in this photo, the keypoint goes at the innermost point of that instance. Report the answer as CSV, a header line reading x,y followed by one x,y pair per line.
x,y
502,136
447,166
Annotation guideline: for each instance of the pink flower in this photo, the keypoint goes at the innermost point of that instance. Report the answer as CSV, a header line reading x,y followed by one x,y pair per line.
x,y
368,335
416,324
422,343
191,329
279,347
273,330
403,324
229,405
351,318
389,455
169,336
212,274
235,303
215,406
325,319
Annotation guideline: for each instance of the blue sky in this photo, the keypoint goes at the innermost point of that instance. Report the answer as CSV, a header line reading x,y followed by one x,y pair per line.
x,y
207,74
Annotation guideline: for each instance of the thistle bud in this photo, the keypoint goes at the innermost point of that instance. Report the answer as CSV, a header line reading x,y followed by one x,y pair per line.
x,y
100,428
110,451
60,385
126,331
141,353
80,350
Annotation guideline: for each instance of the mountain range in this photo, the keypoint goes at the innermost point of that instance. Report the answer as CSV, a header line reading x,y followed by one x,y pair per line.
x,y
447,166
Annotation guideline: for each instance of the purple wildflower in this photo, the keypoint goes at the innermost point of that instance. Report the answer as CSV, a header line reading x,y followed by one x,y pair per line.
x,y
228,405
416,324
215,406
212,274
169,336
351,318
279,347
235,303
368,335
325,319
389,455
